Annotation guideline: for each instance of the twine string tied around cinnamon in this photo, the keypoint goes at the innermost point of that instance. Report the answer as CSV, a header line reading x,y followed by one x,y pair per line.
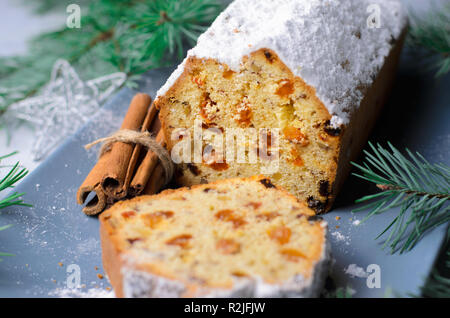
x,y
142,138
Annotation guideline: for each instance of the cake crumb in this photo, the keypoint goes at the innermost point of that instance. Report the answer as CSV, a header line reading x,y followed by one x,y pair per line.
x,y
338,218
100,276
60,264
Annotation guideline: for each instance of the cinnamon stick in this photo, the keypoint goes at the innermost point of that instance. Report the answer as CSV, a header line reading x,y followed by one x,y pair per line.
x,y
148,120
92,184
156,181
145,169
115,174
123,156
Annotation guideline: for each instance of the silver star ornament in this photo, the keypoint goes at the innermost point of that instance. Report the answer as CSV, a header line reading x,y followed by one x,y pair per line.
x,y
64,105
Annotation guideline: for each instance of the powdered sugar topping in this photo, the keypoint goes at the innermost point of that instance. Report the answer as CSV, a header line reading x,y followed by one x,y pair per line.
x,y
328,43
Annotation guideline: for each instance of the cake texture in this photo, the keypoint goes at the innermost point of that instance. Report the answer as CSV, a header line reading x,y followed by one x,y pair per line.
x,y
318,71
230,238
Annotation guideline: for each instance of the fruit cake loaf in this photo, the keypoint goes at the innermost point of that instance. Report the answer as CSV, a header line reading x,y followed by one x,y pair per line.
x,y
317,70
230,238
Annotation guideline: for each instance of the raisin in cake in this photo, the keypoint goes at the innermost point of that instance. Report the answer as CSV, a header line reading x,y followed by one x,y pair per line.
x,y
317,70
231,238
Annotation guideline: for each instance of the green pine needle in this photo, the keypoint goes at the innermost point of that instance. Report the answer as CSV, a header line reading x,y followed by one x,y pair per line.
x,y
432,32
437,286
14,175
418,189
2,253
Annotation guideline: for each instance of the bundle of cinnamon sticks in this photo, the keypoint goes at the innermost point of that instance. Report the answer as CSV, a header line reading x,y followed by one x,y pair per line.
x,y
126,169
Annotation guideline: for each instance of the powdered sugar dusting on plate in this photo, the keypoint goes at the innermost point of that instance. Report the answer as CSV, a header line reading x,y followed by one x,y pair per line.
x,y
356,271
80,293
338,236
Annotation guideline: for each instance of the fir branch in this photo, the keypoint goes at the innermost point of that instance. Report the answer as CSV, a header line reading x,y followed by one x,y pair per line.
x,y
167,24
437,286
14,175
2,253
419,189
130,36
432,32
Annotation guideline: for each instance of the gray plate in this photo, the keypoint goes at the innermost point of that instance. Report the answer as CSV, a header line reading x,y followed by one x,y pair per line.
x,y
56,231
